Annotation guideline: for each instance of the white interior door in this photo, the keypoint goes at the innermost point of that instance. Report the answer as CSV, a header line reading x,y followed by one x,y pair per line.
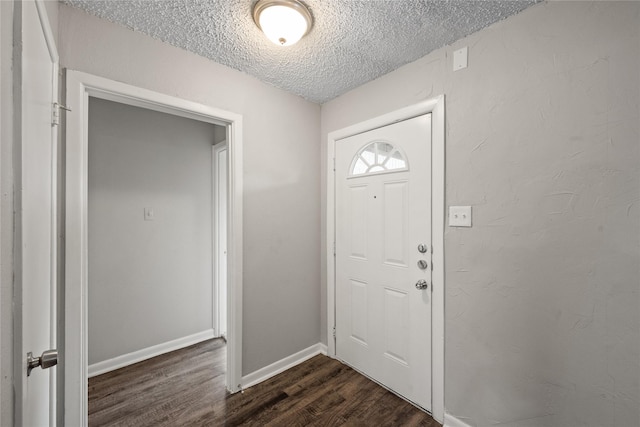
x,y
35,219
220,166
383,233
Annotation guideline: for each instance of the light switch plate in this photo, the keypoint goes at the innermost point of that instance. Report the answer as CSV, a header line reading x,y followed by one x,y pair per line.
x,y
459,216
149,215
460,58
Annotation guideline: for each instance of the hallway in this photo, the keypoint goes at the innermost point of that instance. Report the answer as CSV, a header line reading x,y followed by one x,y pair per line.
x,y
186,387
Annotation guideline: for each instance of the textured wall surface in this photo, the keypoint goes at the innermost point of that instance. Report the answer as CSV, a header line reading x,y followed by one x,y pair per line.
x,y
350,43
152,279
281,173
542,294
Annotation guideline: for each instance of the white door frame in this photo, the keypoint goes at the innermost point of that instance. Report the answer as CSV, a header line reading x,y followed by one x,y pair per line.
x,y
435,106
80,86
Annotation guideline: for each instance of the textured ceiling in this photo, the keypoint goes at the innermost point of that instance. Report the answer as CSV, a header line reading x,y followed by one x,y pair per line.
x,y
351,42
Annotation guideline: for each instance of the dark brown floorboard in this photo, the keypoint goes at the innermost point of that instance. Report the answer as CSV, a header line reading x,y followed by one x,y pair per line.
x,y
187,388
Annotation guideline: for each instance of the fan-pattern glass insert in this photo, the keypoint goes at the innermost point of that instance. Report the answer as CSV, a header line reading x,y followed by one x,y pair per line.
x,y
378,157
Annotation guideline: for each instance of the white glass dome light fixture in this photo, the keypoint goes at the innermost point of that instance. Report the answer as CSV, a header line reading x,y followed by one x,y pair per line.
x,y
284,22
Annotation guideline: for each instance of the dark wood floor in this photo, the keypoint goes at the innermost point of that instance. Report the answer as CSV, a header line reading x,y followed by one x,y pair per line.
x,y
187,388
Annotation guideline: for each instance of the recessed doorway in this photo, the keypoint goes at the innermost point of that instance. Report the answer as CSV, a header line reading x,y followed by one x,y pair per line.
x,y
150,234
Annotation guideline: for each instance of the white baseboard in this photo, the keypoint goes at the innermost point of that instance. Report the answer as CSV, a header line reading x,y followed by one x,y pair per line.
x,y
451,421
282,365
147,353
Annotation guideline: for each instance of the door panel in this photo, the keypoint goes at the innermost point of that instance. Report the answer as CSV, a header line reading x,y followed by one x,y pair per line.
x,y
359,311
396,321
383,212
395,223
358,221
37,218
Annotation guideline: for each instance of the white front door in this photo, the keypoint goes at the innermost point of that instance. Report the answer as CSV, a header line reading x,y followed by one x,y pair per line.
x,y
35,218
383,256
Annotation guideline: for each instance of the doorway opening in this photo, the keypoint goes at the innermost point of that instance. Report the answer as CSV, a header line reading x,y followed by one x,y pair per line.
x,y
150,234
84,90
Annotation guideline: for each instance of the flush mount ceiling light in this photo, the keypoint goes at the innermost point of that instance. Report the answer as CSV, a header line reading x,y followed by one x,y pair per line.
x,y
284,22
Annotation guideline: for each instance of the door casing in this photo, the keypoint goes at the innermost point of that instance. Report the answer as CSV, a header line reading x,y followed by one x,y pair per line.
x,y
80,86
435,106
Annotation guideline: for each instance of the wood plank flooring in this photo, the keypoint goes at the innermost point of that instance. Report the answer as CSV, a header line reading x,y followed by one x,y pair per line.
x,y
187,388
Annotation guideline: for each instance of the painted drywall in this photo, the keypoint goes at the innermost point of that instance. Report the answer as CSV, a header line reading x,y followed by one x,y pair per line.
x,y
219,134
150,278
281,173
542,293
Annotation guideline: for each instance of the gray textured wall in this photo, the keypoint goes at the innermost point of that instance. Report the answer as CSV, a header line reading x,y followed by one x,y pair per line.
x,y
281,173
542,294
150,282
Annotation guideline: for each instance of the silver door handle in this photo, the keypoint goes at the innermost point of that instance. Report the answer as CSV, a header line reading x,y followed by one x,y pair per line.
x,y
48,359
422,284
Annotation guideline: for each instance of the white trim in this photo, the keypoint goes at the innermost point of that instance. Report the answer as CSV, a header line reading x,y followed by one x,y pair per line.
x,y
48,34
435,106
53,340
79,87
438,210
215,322
147,353
282,365
451,421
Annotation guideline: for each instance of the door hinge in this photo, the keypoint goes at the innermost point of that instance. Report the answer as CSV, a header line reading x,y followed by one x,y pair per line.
x,y
334,164
334,248
334,332
55,113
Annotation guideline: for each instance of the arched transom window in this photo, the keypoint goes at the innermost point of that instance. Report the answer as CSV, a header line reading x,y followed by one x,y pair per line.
x,y
378,157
